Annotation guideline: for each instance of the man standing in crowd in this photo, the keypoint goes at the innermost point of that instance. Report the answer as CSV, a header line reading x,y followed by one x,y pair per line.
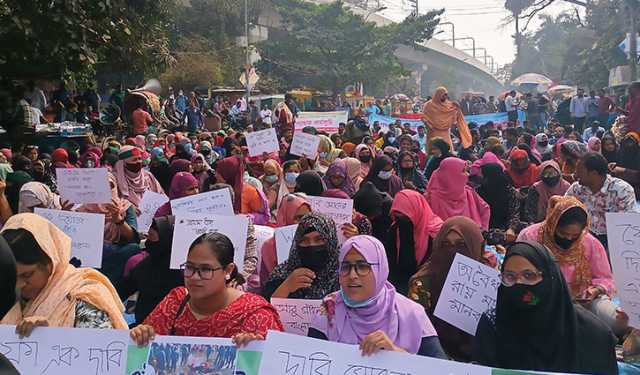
x,y
265,115
193,117
181,102
421,137
492,107
578,110
37,97
140,121
605,106
511,106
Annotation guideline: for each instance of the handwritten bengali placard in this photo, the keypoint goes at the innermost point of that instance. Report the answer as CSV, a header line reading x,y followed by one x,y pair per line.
x,y
86,231
471,288
328,122
297,314
623,233
65,351
340,210
284,239
188,227
305,145
262,141
150,203
84,185
216,202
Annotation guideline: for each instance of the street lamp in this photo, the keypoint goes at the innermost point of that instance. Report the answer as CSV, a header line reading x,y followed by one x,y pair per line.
x,y
465,38
479,48
380,9
453,31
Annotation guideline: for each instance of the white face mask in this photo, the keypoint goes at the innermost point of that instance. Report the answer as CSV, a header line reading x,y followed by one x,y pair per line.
x,y
385,175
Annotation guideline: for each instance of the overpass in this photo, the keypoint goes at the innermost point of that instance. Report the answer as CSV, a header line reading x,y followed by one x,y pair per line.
x,y
433,63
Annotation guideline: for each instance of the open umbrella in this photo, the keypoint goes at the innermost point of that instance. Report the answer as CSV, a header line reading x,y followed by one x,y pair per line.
x,y
532,78
561,89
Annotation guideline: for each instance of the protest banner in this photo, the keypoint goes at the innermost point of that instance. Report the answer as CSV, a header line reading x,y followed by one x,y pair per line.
x,y
284,240
623,234
340,210
216,202
287,354
188,227
305,145
150,203
86,231
471,288
296,315
64,351
500,119
84,185
262,141
327,122
249,358
263,233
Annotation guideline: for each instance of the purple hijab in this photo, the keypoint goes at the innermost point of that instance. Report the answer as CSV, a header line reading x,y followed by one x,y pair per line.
x,y
404,321
339,168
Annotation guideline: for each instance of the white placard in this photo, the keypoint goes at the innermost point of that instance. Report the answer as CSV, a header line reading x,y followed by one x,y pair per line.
x,y
189,226
623,234
340,210
86,231
84,185
216,202
263,233
149,205
262,141
328,122
65,351
287,354
284,240
296,315
471,289
305,145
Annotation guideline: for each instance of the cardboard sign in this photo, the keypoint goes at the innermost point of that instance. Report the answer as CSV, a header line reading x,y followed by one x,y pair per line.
x,y
84,185
150,203
262,141
305,145
340,210
297,314
216,202
284,241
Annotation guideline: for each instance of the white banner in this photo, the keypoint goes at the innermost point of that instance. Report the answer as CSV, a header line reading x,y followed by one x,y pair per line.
x,y
327,122
84,185
262,141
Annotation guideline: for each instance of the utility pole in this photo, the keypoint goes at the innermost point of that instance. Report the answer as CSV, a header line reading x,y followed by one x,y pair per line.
x,y
632,6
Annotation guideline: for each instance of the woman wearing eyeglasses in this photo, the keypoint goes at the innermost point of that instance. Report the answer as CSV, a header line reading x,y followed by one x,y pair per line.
x,y
535,326
207,306
367,310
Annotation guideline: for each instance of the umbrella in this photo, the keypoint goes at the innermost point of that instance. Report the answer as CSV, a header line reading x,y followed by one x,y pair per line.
x,y
532,78
561,89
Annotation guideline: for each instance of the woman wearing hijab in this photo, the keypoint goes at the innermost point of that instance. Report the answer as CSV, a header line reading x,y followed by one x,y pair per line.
x,y
271,180
292,209
449,195
382,176
581,257
60,158
152,278
366,156
570,153
440,114
310,183
16,179
551,183
132,180
230,170
182,185
628,165
7,278
37,194
325,147
459,235
407,170
373,315
439,149
375,205
542,144
413,227
311,272
338,178
55,293
200,169
522,171
354,166
89,160
496,189
535,326
594,145
348,148
610,147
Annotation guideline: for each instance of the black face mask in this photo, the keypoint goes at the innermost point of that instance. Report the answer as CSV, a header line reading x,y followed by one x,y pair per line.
x,y
564,243
365,158
313,257
135,168
524,297
550,181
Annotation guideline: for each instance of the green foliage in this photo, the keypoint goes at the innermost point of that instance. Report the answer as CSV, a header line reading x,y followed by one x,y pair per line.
x,y
329,47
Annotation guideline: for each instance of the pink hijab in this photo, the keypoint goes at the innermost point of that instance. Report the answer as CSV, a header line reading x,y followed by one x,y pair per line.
x,y
595,145
364,167
545,192
488,158
449,195
404,321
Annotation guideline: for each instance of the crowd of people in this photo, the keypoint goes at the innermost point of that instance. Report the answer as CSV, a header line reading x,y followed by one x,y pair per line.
x,y
532,205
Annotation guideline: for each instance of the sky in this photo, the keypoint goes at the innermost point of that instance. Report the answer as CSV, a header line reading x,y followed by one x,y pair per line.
x,y
481,19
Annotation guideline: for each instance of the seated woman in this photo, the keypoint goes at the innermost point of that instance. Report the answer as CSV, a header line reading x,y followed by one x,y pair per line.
x,y
570,153
7,278
522,170
407,170
551,183
310,183
383,177
271,180
459,235
338,178
535,326
38,195
414,225
367,311
312,267
581,257
152,277
354,166
365,155
449,195
439,149
248,200
375,205
208,306
53,292
183,184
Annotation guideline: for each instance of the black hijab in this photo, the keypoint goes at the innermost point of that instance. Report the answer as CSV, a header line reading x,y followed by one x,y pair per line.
x,y
310,183
7,278
611,156
392,185
434,162
629,153
550,334
495,190
375,205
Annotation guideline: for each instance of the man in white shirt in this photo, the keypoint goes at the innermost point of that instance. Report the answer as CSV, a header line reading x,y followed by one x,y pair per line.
x,y
37,96
511,104
421,137
578,109
266,115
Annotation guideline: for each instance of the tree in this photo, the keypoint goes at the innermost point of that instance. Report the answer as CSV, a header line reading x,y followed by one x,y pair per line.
x,y
329,47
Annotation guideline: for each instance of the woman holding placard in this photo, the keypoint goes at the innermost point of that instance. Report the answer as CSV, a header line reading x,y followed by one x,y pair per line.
x,y
53,292
367,311
535,325
208,306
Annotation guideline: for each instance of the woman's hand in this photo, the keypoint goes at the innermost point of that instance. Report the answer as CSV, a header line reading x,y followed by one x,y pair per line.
x,y
349,230
142,335
376,341
66,205
300,278
242,339
114,212
26,326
